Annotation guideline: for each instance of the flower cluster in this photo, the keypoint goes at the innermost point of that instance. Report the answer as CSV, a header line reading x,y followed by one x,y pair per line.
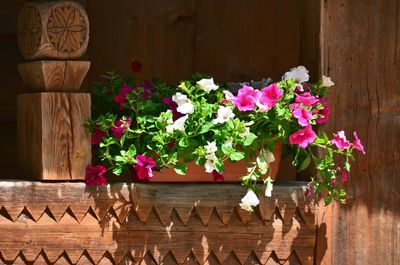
x,y
154,126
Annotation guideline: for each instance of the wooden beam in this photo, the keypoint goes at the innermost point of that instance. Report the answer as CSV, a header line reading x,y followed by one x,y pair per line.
x,y
158,222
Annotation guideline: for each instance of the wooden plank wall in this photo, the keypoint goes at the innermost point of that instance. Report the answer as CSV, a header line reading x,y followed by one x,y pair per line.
x,y
362,55
168,224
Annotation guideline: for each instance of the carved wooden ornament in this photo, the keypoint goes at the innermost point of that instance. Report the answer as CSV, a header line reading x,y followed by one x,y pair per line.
x,y
53,30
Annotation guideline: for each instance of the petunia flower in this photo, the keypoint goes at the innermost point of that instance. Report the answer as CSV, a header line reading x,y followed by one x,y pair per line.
x,y
144,167
172,106
269,188
121,98
210,163
340,141
185,105
94,175
325,115
357,143
299,74
98,135
211,147
178,125
120,126
269,96
326,81
223,115
303,137
303,116
207,84
309,192
217,176
249,201
246,99
306,99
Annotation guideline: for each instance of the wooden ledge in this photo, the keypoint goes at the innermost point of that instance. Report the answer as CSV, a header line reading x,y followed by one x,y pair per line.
x,y
153,224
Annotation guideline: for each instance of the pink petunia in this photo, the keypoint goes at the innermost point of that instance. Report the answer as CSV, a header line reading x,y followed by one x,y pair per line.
x,y
217,176
325,115
94,175
344,175
270,95
303,137
144,167
246,99
120,127
357,143
121,98
306,99
97,136
309,192
340,141
303,116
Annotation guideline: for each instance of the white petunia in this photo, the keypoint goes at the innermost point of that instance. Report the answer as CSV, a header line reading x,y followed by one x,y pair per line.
x,y
268,155
178,125
228,95
209,165
223,115
326,81
299,74
249,201
211,147
207,84
185,105
269,188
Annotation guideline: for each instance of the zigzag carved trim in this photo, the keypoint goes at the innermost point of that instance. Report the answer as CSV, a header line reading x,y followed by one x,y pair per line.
x,y
152,224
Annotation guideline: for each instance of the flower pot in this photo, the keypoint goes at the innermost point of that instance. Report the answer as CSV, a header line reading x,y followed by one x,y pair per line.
x,y
232,173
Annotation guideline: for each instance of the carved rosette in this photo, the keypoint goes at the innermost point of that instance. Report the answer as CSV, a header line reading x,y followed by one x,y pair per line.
x,y
58,30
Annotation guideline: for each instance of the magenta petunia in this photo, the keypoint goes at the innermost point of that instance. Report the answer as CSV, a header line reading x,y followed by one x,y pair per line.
x,y
303,137
333,182
306,99
94,175
246,99
325,115
98,135
270,95
120,127
121,97
173,107
344,175
144,167
357,143
217,176
303,116
340,141
309,192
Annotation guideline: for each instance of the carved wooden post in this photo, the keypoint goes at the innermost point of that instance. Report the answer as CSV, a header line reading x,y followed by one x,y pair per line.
x,y
52,141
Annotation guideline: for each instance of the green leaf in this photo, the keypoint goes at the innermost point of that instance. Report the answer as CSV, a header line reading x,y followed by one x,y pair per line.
x,y
236,156
180,168
249,139
305,163
219,166
226,149
262,164
117,171
206,127
184,142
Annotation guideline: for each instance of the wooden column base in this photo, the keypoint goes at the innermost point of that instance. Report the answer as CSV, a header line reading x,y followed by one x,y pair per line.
x,y
52,140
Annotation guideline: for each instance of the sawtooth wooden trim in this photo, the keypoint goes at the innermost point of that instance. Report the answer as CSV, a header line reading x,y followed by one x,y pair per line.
x,y
70,223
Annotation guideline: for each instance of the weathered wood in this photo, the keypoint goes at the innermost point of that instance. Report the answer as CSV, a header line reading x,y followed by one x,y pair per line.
x,y
54,76
52,140
361,53
53,30
97,233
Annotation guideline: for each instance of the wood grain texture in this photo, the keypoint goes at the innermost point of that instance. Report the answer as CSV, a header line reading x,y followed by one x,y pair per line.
x,y
57,29
237,41
52,140
361,53
54,76
130,222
